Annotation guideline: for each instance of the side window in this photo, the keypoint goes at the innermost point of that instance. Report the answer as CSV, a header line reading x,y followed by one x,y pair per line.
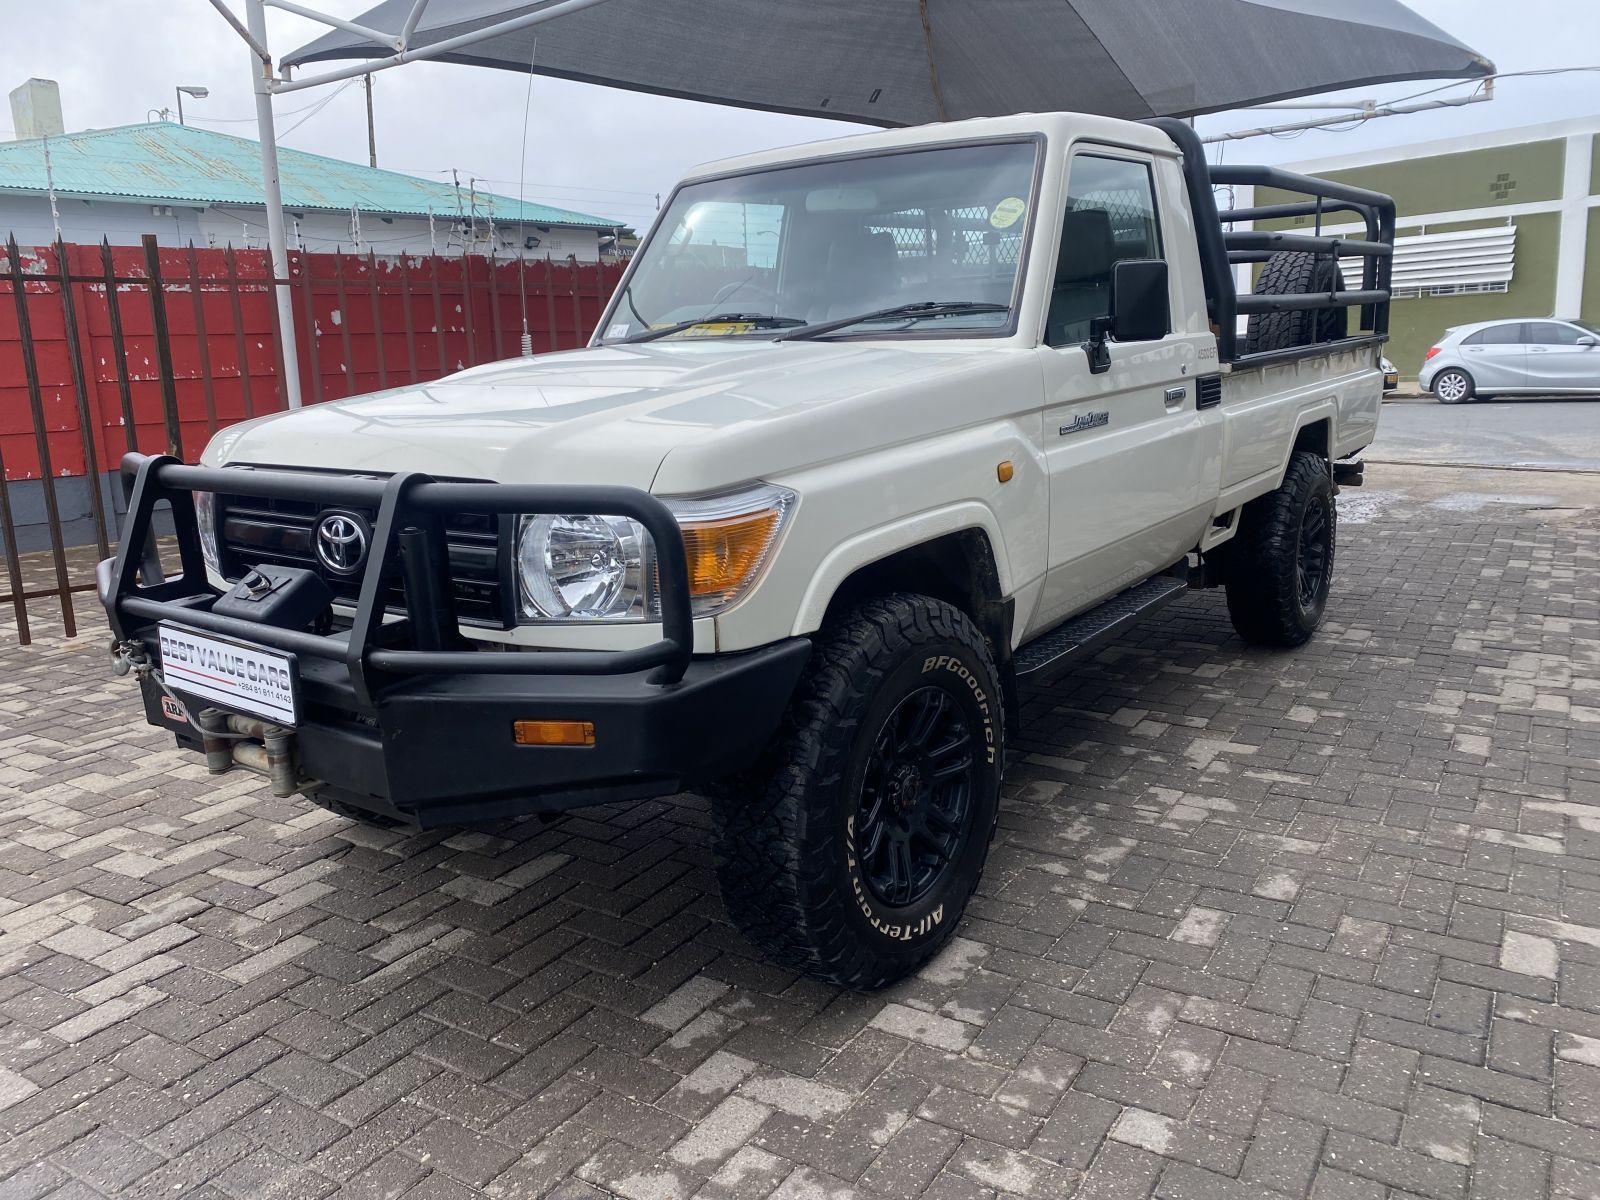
x,y
1550,333
1496,335
1110,216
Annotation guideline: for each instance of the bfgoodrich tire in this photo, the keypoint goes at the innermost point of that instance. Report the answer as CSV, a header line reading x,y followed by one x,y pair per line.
x,y
1280,563
1451,386
850,853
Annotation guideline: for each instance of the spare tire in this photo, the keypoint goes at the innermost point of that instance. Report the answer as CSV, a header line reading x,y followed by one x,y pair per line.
x,y
1289,272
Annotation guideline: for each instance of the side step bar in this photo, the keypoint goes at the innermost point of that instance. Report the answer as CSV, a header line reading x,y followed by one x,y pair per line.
x,y
1044,658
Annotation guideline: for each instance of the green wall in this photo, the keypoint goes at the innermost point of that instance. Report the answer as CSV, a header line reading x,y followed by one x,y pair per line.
x,y
1474,179
1590,310
1501,175
1414,325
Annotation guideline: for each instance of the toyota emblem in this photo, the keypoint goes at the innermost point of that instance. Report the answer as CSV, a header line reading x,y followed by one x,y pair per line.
x,y
341,542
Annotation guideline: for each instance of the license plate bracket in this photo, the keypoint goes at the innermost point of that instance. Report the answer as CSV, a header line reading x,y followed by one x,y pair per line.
x,y
237,675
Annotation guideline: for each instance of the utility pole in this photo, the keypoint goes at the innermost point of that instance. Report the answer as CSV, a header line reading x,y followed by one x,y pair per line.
x,y
372,136
277,242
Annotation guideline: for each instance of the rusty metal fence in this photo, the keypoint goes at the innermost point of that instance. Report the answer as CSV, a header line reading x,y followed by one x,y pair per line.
x,y
109,349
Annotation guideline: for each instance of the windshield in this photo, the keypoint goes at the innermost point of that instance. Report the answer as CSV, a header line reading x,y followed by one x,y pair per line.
x,y
760,254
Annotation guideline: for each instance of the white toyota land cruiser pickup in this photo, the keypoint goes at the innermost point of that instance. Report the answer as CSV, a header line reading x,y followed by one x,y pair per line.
x,y
872,432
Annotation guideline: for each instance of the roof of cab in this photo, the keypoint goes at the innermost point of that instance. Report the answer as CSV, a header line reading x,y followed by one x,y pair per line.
x,y
1051,125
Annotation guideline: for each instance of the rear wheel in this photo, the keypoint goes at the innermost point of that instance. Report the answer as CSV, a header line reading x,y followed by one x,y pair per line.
x,y
850,853
1451,386
1280,563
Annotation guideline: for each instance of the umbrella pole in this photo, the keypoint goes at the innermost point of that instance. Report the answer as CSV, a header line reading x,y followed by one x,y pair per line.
x,y
277,241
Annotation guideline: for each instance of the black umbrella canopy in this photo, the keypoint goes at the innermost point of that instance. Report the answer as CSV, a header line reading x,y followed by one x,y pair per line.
x,y
907,62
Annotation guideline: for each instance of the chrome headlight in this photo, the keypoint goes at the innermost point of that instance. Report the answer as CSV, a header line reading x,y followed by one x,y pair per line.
x,y
594,568
581,568
205,515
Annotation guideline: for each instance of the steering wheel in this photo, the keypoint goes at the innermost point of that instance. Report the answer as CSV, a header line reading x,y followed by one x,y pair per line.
x,y
742,288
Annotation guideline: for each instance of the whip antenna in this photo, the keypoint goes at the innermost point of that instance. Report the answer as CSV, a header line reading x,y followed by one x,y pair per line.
x,y
522,175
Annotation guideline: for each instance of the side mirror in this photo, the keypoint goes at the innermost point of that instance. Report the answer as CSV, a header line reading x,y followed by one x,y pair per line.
x,y
1588,342
1140,311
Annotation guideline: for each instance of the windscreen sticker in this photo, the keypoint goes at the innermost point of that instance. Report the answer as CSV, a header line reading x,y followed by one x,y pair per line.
x,y
718,328
1006,213
617,329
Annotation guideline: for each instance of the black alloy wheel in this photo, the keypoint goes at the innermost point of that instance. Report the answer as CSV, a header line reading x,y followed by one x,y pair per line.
x,y
1311,568
912,813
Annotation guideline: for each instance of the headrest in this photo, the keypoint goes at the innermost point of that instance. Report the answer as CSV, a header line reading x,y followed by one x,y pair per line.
x,y
1087,248
863,255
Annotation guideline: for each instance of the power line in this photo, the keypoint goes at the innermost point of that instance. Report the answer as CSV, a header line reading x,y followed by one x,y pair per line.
x,y
317,108
288,112
565,187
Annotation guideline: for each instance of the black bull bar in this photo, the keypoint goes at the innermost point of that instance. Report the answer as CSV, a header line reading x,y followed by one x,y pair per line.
x,y
407,536
402,716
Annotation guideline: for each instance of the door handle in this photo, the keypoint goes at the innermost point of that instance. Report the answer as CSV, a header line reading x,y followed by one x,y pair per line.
x,y
1175,396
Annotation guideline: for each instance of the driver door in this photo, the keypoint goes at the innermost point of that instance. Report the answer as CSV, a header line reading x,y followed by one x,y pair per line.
x,y
1133,453
1562,358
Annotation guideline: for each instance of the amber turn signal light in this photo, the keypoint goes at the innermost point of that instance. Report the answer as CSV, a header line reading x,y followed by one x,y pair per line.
x,y
553,733
724,553
1004,471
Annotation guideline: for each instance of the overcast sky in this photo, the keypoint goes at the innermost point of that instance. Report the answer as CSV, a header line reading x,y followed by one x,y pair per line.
x,y
608,152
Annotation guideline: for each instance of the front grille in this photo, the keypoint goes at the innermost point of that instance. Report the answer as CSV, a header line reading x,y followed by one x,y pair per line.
x,y
281,532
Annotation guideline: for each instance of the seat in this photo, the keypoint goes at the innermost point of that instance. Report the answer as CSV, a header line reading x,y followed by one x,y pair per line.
x,y
863,273
1083,276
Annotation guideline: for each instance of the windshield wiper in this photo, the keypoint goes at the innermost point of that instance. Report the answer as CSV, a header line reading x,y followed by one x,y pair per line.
x,y
923,308
728,318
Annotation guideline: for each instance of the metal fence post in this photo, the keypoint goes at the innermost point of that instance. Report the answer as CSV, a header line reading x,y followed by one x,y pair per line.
x,y
119,347
158,315
41,438
202,341
313,339
8,529
87,426
344,323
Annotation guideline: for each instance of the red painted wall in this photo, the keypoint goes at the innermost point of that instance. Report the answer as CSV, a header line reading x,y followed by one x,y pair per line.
x,y
362,324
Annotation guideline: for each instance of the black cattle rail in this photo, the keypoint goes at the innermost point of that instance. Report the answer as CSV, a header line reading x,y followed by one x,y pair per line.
x,y
408,540
1221,249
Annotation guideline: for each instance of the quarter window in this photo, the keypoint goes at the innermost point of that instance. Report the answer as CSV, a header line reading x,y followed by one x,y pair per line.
x,y
1110,216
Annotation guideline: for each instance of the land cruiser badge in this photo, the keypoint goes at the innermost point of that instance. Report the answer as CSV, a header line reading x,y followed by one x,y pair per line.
x,y
1088,420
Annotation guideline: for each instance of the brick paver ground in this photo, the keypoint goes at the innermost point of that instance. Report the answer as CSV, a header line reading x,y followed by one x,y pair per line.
x,y
1315,924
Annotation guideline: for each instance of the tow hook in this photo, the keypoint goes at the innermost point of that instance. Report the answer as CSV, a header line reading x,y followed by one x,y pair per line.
x,y
128,656
268,751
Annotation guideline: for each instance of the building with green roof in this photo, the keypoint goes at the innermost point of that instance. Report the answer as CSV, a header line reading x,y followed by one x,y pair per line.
x,y
185,184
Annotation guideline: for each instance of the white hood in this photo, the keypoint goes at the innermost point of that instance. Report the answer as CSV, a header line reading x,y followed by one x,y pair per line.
x,y
722,412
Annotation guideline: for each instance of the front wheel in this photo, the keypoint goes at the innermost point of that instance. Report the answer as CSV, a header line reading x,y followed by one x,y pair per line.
x,y
850,853
1280,563
1453,387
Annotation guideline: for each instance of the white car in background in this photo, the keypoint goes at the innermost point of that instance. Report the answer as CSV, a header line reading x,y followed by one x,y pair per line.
x,y
1533,356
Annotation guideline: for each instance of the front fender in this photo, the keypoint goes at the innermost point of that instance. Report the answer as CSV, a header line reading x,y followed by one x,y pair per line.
x,y
879,543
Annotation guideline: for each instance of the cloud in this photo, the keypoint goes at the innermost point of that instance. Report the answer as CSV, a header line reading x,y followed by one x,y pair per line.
x,y
608,151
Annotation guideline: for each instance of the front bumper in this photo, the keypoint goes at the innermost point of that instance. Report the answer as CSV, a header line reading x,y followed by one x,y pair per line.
x,y
402,717
439,750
